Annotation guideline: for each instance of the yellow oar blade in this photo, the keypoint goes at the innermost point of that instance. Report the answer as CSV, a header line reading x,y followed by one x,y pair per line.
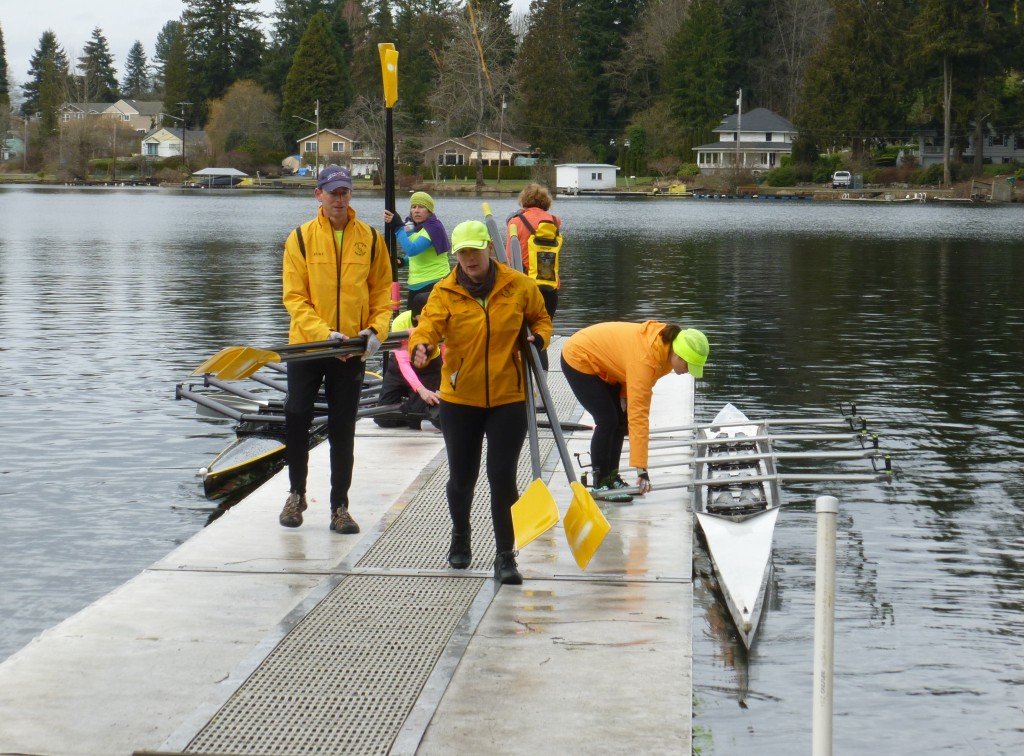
x,y
534,513
585,525
236,363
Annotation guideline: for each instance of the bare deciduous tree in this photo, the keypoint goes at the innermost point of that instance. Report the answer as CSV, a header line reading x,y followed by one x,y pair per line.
x,y
470,86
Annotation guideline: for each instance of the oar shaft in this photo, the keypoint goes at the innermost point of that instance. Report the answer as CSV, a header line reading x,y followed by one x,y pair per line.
x,y
777,456
393,339
766,422
690,441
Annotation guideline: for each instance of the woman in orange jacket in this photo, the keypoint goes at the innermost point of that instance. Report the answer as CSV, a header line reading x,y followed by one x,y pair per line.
x,y
607,363
479,310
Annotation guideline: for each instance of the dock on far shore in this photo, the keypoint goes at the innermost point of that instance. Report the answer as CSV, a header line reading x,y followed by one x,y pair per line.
x,y
251,638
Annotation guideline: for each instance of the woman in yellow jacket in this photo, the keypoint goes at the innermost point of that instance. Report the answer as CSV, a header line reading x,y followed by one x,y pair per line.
x,y
479,311
609,362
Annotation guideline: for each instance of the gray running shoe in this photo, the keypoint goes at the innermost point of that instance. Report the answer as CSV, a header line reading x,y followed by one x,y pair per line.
x,y
291,515
342,522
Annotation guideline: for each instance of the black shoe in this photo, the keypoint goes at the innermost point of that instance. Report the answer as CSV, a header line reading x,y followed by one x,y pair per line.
x,y
460,554
505,570
342,522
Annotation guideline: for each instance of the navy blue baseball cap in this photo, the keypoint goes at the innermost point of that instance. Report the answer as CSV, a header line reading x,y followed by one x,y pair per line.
x,y
334,177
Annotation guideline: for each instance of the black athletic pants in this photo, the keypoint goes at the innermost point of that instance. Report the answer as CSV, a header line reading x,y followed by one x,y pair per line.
x,y
464,430
601,400
395,389
343,382
551,305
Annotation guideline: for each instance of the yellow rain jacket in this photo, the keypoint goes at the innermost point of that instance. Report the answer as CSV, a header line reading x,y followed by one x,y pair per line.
x,y
329,289
632,356
482,363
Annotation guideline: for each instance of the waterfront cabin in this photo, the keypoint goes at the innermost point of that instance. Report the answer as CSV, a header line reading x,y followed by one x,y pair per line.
x,y
576,177
757,140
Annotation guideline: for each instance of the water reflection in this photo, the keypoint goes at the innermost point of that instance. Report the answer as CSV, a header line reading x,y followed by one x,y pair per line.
x,y
914,312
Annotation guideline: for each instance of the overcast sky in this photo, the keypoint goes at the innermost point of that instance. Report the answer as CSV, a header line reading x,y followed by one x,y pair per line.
x,y
122,22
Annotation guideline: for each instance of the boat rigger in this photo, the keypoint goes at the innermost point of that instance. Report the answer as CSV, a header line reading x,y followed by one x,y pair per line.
x,y
252,638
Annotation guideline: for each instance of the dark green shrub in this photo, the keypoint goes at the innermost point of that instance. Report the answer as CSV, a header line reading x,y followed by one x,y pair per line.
x,y
688,170
784,175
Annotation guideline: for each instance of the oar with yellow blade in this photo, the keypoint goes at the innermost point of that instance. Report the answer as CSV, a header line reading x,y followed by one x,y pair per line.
x,y
535,511
235,363
585,525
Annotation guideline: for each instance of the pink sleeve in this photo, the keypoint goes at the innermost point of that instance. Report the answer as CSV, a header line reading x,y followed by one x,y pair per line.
x,y
405,366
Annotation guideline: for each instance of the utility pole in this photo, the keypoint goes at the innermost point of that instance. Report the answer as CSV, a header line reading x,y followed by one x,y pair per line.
x,y
184,138
739,133
501,135
316,144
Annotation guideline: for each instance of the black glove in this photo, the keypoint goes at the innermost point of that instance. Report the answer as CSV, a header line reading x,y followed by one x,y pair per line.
x,y
396,222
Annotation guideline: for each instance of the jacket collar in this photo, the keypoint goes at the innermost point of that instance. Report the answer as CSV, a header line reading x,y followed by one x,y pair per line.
x,y
504,277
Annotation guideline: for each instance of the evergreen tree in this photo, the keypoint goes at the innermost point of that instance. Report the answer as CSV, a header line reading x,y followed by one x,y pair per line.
x,y
136,73
548,113
602,26
41,82
161,52
696,68
422,28
5,94
291,19
368,27
98,80
176,75
53,86
316,74
855,89
224,44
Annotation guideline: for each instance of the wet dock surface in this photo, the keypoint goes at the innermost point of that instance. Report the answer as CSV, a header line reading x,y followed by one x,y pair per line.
x,y
253,638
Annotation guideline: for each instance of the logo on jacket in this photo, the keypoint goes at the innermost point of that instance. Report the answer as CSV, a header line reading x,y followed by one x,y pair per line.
x,y
361,248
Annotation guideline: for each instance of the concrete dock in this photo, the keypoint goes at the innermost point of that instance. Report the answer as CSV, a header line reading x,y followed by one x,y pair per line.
x,y
251,638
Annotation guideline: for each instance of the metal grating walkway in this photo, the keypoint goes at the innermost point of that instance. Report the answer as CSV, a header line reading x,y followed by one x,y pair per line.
x,y
347,676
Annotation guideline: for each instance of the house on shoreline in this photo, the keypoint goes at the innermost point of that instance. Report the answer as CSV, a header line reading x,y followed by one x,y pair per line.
x,y
756,141
333,146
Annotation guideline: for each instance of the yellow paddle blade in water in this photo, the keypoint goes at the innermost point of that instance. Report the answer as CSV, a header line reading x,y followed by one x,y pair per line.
x,y
236,362
585,525
534,513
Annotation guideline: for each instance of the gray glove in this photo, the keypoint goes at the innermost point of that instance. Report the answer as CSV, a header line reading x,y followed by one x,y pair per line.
x,y
372,343
338,336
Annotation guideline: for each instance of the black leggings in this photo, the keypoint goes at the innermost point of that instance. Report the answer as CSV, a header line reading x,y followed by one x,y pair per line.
x,y
464,429
600,399
551,305
343,383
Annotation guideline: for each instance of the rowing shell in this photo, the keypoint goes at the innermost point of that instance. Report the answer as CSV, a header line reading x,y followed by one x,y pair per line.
x,y
738,521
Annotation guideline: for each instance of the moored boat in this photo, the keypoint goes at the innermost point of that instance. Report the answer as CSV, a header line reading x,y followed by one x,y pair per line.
x,y
738,519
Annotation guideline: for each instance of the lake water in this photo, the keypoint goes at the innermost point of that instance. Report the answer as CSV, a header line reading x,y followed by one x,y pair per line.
x,y
916,312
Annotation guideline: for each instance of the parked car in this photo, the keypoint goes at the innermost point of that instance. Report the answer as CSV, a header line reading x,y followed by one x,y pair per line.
x,y
841,180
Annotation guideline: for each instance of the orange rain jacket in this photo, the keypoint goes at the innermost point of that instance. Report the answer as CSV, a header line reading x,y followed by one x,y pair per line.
x,y
343,290
482,362
631,356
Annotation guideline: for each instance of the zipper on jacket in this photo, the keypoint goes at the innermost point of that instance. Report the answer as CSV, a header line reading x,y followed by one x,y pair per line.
x,y
337,256
487,356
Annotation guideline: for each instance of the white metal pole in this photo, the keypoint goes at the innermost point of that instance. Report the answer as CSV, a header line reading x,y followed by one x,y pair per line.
x,y
827,508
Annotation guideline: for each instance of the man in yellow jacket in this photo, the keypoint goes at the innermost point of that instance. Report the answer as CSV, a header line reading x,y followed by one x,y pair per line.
x,y
337,284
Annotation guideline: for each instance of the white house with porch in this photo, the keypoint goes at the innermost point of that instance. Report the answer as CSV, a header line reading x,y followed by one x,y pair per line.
x,y
757,140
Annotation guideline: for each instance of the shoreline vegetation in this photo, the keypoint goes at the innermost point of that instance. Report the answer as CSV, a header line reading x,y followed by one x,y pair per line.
x,y
635,187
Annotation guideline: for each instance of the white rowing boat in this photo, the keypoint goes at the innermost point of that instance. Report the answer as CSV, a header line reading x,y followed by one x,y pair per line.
x,y
738,520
